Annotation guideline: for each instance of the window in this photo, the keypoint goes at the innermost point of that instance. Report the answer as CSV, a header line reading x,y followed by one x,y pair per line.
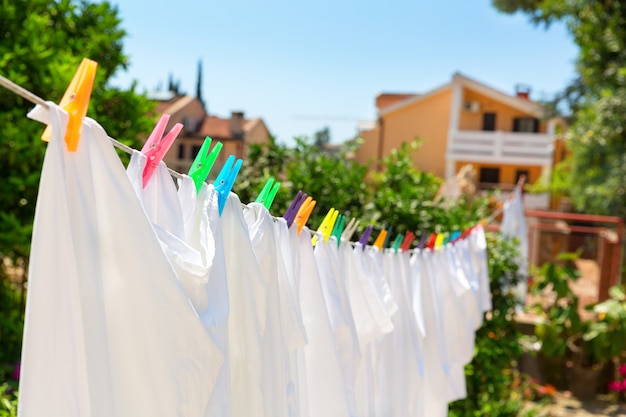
x,y
519,173
526,124
181,151
489,175
489,122
195,149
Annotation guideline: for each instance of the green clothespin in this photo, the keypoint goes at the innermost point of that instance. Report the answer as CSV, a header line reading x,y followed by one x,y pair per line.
x,y
204,161
268,193
338,228
397,242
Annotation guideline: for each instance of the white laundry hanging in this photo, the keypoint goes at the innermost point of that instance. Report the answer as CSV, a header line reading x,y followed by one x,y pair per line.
x,y
514,226
109,330
230,315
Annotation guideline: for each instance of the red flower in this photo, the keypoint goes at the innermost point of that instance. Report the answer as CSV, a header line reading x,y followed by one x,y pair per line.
x,y
622,370
615,386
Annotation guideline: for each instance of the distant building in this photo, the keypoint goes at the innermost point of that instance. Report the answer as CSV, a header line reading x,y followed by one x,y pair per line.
x,y
236,132
465,122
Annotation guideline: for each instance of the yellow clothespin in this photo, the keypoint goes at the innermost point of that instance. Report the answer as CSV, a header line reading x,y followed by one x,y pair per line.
x,y
380,239
327,225
439,240
75,101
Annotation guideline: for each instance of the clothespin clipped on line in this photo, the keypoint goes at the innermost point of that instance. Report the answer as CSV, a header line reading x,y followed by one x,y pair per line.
x,y
327,225
366,236
350,229
397,242
455,236
75,102
408,239
268,193
157,146
439,240
380,239
430,244
304,213
225,180
338,228
294,207
203,162
423,241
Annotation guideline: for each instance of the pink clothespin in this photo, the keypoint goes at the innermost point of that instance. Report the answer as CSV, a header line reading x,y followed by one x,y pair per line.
x,y
157,146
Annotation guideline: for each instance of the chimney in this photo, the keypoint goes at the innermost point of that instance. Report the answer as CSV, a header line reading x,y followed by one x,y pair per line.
x,y
236,124
522,91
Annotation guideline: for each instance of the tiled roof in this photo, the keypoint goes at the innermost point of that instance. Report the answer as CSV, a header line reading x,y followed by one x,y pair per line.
x,y
216,127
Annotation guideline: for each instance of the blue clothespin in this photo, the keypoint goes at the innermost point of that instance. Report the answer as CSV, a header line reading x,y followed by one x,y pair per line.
x,y
225,180
366,236
454,236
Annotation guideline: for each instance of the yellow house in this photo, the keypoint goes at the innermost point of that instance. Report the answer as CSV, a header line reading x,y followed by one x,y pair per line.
x,y
464,121
235,133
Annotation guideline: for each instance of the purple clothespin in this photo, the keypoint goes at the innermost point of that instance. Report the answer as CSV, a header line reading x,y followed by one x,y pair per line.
x,y
366,236
423,240
292,211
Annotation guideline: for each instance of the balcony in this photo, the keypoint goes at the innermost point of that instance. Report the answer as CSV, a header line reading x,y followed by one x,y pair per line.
x,y
501,147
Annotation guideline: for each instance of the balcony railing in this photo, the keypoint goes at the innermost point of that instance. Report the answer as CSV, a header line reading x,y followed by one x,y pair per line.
x,y
501,147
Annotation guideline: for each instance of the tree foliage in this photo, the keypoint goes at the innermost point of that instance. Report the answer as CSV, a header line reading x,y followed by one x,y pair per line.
x,y
43,41
597,137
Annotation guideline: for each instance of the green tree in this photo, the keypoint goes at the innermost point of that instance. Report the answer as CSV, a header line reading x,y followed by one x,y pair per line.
x,y
597,137
43,42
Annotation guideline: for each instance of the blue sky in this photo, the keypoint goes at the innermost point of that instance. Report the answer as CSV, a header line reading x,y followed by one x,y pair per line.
x,y
305,65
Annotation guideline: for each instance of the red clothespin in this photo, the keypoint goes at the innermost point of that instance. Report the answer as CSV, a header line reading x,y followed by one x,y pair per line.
x,y
431,241
408,239
157,146
75,102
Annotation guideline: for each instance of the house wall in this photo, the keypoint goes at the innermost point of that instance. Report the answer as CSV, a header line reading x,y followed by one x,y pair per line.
x,y
368,151
504,114
428,119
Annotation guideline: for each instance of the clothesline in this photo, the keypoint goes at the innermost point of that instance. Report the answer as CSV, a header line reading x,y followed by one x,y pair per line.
x,y
35,99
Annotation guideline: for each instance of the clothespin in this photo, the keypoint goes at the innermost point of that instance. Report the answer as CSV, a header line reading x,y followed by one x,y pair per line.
x,y
338,228
380,239
439,240
397,242
225,180
268,193
386,243
157,146
366,236
327,225
422,242
304,213
75,102
408,239
350,229
292,211
203,162
455,236
430,244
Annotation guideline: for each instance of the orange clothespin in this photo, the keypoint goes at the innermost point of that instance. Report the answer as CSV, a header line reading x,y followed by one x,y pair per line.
x,y
380,239
157,146
304,212
75,102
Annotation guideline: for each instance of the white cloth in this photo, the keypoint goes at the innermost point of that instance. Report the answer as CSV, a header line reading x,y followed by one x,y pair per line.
x,y
514,226
247,316
109,330
323,375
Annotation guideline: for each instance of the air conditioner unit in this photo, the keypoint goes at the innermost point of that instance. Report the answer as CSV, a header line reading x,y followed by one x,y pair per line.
x,y
471,106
